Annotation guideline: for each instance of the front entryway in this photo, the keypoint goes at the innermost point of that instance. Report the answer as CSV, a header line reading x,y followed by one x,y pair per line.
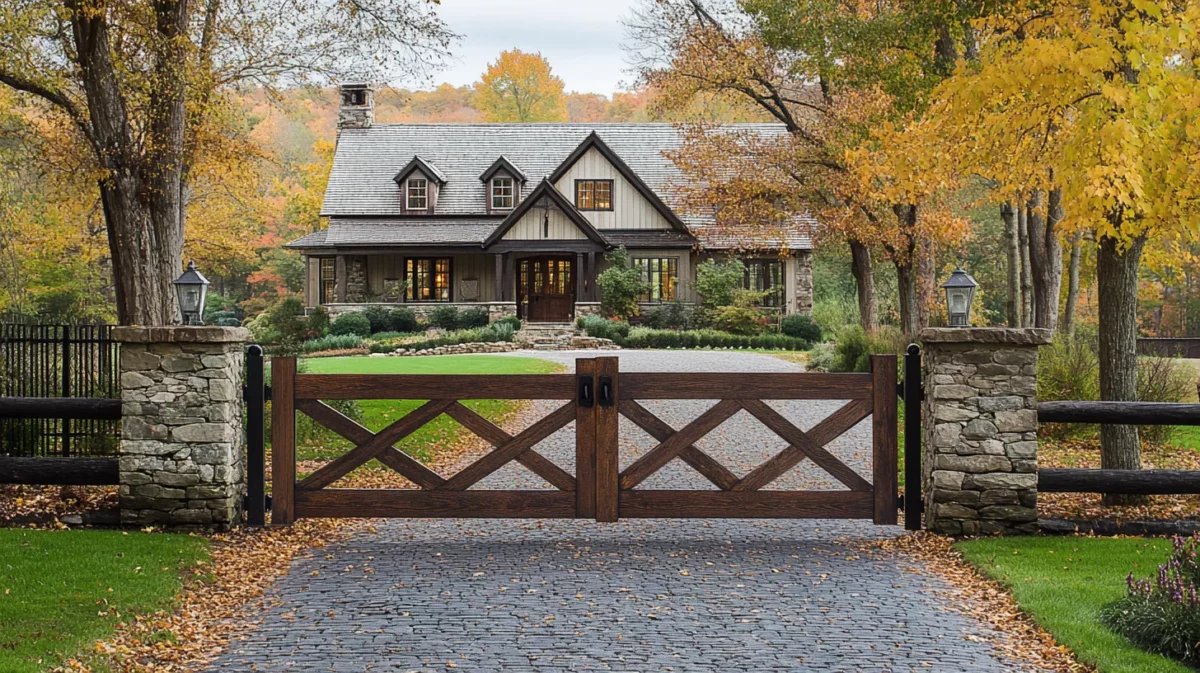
x,y
546,288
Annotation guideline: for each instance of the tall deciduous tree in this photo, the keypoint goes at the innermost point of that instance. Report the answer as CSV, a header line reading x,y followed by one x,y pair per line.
x,y
520,87
1104,94
137,80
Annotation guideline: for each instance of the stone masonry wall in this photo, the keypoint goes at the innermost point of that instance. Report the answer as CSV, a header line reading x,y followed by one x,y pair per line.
x,y
804,283
356,279
980,420
182,441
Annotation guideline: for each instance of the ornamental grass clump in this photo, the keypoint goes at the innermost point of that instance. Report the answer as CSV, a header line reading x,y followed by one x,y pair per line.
x,y
1162,614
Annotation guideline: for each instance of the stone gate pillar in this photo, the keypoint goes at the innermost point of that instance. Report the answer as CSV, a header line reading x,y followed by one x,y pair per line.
x,y
980,420
182,441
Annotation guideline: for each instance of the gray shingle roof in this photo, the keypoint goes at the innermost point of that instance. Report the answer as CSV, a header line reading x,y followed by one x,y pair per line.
x,y
313,240
361,181
428,231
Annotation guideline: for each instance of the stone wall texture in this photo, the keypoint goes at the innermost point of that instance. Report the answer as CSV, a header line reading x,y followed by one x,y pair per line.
x,y
980,420
182,441
804,283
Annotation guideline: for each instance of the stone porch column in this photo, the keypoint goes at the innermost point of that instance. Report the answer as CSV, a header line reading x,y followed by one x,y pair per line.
x,y
182,441
980,420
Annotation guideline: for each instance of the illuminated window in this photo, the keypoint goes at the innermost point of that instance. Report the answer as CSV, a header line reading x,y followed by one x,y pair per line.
x,y
766,275
418,194
428,279
593,194
327,280
662,273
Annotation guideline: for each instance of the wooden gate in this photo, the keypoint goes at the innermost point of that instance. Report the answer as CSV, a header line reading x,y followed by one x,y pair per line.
x,y
594,398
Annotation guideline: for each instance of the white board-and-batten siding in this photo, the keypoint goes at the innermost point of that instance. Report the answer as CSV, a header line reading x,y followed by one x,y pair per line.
x,y
630,210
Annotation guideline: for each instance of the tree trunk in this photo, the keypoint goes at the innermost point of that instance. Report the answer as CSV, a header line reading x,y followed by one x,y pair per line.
x,y
1045,257
1068,323
926,281
906,272
1026,280
860,266
1012,250
1117,281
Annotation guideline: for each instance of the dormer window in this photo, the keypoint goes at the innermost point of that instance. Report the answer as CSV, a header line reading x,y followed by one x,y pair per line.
x,y
503,194
418,194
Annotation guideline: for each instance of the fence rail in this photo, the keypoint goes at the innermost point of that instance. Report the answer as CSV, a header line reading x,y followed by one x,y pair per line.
x,y
1119,482
58,361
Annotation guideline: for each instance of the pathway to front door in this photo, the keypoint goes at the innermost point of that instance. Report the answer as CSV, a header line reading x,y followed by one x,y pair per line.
x,y
646,595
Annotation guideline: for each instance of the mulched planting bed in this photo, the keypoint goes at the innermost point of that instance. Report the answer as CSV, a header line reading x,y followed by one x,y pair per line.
x,y
1086,454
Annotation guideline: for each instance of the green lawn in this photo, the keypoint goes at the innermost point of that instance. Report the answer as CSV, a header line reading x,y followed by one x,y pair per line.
x,y
377,414
56,588
1063,582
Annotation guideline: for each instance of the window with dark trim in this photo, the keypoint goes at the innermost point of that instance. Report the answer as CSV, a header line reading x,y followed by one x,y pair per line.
x,y
594,194
418,194
326,280
662,274
428,279
503,195
766,275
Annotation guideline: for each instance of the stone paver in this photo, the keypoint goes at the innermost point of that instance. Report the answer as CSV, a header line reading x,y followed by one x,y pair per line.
x,y
651,595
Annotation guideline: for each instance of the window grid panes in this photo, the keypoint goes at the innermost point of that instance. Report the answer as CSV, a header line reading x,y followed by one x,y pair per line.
x,y
327,280
418,194
593,194
662,275
428,279
766,275
502,193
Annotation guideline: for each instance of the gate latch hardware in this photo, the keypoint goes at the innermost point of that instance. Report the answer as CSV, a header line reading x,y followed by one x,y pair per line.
x,y
587,396
606,391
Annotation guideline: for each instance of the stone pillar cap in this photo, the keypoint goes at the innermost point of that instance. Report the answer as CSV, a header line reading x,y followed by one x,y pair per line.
x,y
1016,336
180,334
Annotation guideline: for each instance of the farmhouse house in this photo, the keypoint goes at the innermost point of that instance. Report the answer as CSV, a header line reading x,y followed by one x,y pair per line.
x,y
517,218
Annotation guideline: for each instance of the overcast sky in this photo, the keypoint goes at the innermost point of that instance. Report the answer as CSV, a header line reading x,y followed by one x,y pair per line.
x,y
580,38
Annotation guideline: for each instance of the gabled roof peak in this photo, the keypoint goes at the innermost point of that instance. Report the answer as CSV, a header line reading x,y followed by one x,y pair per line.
x,y
426,167
503,164
546,190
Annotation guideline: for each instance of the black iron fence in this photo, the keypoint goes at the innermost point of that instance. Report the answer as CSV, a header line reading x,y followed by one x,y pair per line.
x,y
55,361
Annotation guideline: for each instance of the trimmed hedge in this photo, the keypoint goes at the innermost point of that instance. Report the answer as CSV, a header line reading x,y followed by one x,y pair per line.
x,y
496,332
644,337
351,323
603,328
800,326
332,342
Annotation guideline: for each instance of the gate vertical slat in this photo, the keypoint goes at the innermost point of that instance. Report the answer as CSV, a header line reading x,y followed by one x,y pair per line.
x,y
607,461
66,387
913,500
884,438
283,440
585,439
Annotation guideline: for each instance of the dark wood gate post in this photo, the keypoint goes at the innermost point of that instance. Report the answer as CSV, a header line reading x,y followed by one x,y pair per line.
x,y
283,440
883,438
585,438
607,461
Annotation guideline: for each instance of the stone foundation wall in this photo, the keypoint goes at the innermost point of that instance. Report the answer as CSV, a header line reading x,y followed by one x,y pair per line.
x,y
496,309
182,441
980,420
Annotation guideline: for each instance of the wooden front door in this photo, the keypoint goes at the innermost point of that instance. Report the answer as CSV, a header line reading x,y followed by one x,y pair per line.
x,y
546,289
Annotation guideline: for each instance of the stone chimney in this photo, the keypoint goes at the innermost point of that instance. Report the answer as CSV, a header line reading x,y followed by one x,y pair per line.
x,y
357,108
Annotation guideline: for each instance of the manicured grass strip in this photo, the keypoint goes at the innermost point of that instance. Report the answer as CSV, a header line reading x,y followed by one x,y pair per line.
x,y
1064,582
61,591
378,414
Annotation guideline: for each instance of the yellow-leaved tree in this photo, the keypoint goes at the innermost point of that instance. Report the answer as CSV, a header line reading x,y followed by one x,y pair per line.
x,y
520,87
1104,96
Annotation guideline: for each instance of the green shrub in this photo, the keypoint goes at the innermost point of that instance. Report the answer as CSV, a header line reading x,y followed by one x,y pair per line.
x,y
801,327
512,320
718,282
620,286
318,322
403,320
853,351
672,315
379,318
351,323
603,328
822,357
835,314
1162,615
742,316
471,318
495,332
445,317
332,342
379,336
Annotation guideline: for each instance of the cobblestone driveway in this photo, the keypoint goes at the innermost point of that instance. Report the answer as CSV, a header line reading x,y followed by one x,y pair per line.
x,y
651,595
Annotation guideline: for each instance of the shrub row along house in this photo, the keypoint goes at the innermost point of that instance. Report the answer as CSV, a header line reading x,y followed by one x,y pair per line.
x,y
517,218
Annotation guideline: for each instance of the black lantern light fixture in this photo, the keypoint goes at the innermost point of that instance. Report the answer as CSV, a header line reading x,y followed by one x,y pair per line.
x,y
960,293
191,288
